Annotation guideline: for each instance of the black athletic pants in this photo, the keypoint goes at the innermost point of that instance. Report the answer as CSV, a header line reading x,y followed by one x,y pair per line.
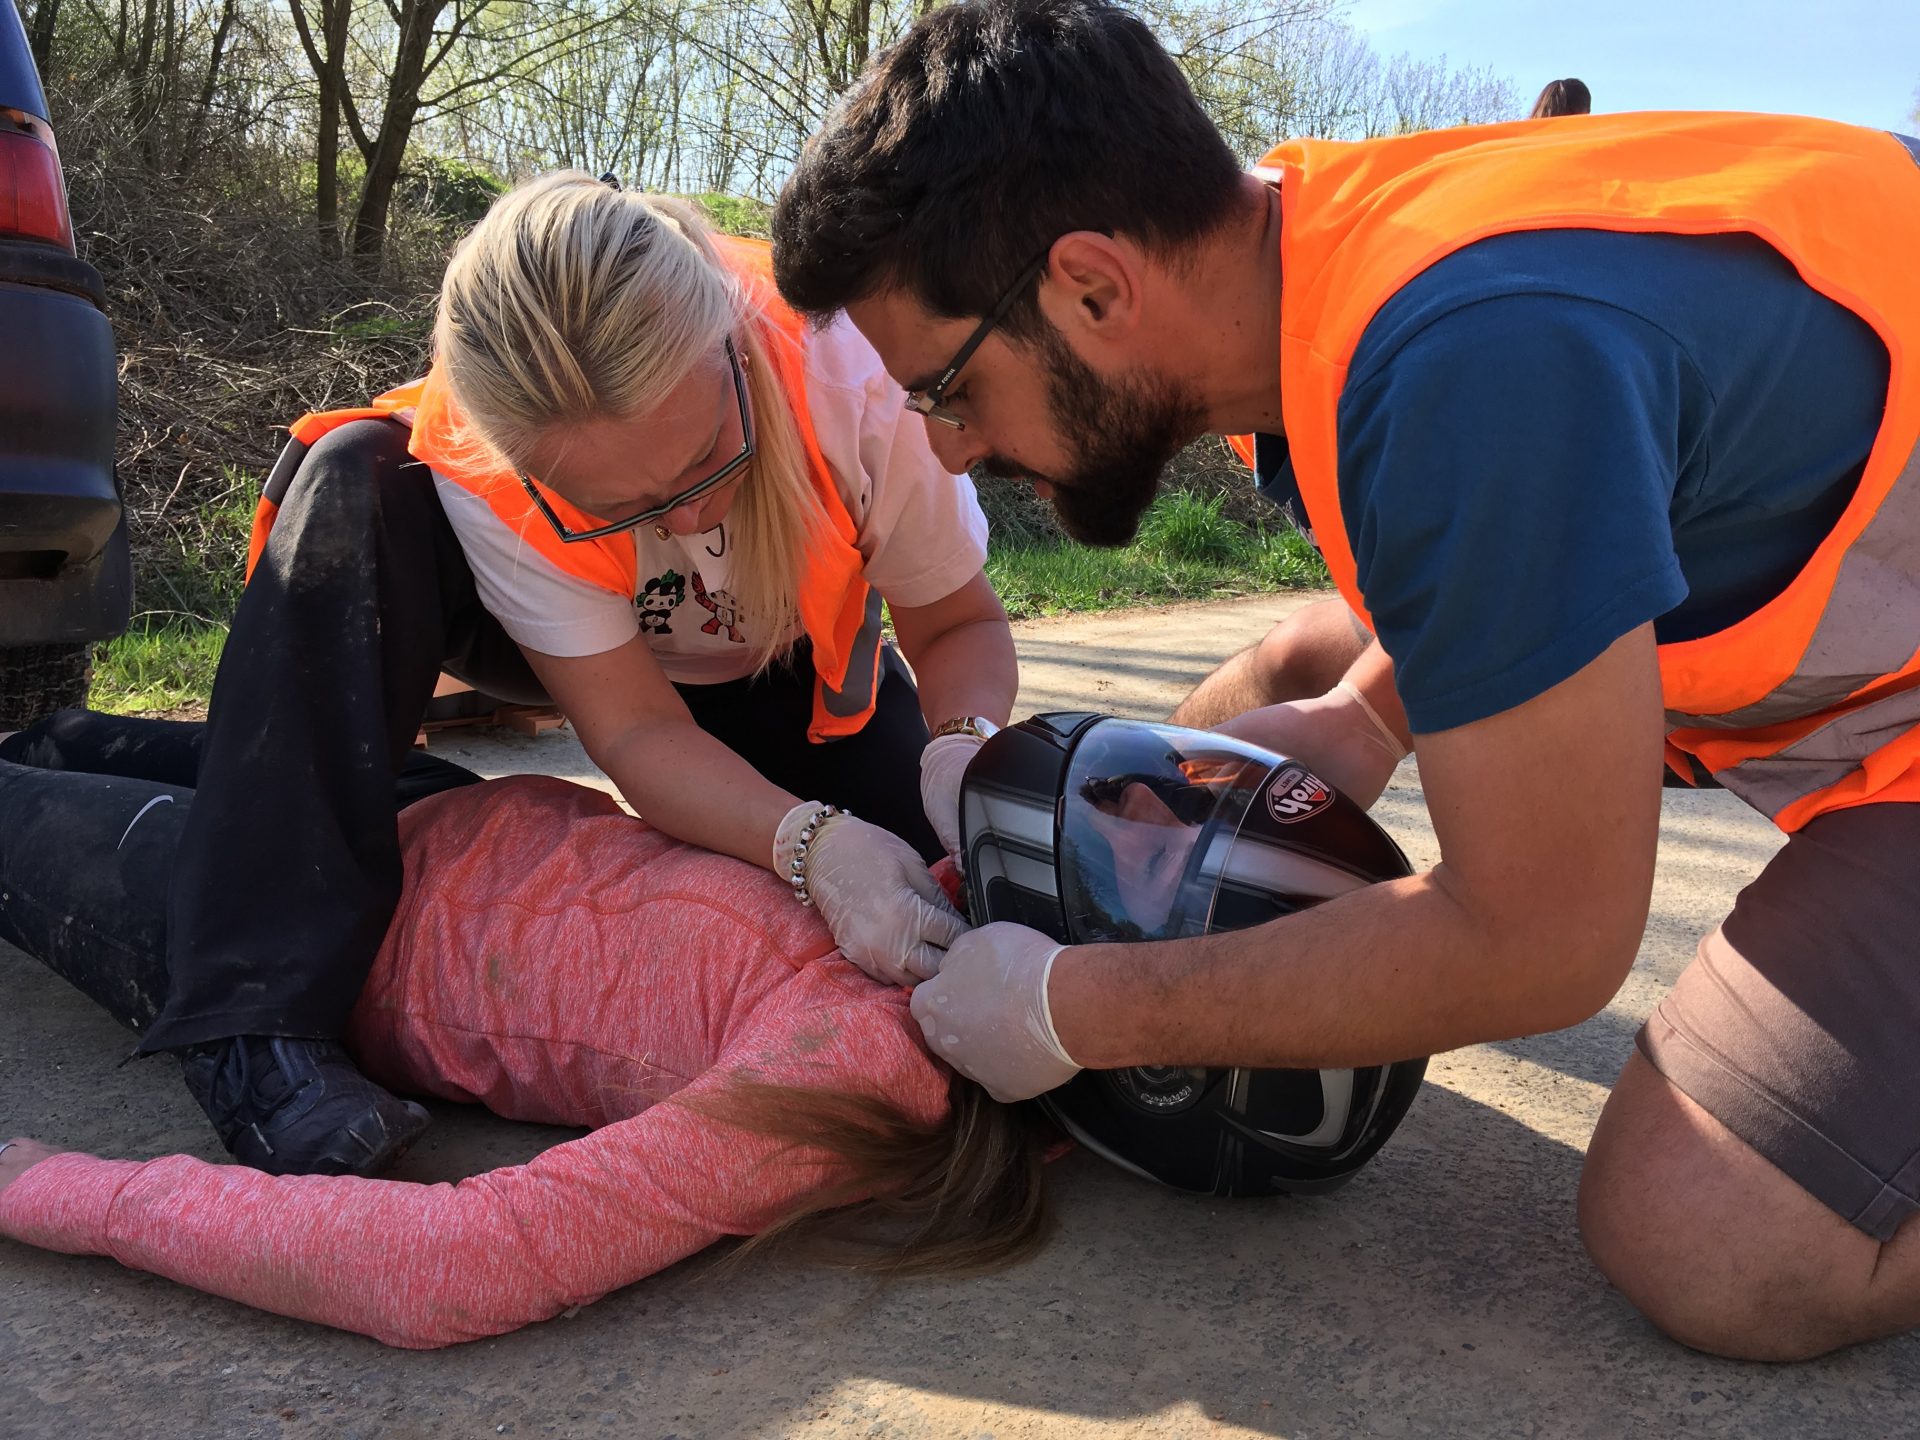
x,y
288,865
91,821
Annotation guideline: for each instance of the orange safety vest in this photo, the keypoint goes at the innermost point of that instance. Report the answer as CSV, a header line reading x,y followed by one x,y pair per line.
x,y
839,611
1812,703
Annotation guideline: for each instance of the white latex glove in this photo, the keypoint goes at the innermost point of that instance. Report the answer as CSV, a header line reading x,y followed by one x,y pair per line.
x,y
886,912
943,765
1338,735
986,1012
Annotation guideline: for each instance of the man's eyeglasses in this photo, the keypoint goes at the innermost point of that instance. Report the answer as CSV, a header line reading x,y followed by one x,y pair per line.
x,y
932,401
693,492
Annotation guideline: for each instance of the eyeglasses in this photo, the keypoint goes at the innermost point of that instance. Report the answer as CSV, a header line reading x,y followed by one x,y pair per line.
x,y
693,492
932,401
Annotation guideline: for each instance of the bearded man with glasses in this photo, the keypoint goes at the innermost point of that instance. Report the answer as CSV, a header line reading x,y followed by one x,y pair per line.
x,y
1607,430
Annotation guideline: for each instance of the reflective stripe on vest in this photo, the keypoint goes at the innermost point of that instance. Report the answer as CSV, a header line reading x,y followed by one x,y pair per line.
x,y
1813,702
1870,627
839,611
854,696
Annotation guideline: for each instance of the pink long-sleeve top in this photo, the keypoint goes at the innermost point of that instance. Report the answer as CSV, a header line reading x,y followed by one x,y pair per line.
x,y
554,960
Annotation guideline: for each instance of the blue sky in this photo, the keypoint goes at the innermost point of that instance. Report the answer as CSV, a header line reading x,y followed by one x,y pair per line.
x,y
1855,60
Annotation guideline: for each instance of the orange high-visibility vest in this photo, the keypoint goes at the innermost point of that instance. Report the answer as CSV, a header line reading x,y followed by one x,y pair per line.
x,y
839,611
1812,703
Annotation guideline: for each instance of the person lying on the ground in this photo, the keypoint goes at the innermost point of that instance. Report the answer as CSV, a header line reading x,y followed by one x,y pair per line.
x,y
556,961
552,959
634,485
1609,431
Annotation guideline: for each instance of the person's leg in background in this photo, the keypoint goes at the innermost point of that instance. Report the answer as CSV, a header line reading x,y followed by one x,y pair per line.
x,y
288,865
875,774
1303,656
168,751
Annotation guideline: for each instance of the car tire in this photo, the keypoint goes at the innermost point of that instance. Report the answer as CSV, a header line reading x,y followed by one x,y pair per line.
x,y
36,680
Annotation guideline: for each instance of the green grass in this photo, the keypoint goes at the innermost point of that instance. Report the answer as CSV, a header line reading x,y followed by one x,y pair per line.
x,y
384,324
736,214
158,668
1186,550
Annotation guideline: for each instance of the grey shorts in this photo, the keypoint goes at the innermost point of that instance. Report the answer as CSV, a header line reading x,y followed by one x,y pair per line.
x,y
1798,1024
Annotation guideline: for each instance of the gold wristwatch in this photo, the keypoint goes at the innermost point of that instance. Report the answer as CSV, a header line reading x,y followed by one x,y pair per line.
x,y
977,726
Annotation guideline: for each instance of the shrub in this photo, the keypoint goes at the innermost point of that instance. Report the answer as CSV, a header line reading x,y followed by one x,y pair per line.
x,y
735,214
1184,525
454,192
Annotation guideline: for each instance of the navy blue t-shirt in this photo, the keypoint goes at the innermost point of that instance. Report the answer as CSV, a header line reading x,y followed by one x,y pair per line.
x,y
1550,438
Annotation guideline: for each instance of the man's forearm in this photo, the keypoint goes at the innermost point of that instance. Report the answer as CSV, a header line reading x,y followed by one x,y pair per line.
x,y
1393,971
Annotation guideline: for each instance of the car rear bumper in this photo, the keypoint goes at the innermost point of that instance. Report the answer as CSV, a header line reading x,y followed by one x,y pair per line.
x,y
64,573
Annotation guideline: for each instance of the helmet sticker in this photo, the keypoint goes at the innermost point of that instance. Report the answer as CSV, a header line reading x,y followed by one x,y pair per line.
x,y
1296,794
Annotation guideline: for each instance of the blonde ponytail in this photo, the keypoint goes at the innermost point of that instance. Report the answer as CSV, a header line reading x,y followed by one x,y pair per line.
x,y
573,301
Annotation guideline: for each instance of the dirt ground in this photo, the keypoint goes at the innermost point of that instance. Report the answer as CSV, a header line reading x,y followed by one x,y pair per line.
x,y
1443,1293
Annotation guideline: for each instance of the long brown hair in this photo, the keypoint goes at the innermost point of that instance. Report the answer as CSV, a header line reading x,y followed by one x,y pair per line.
x,y
961,1196
1563,97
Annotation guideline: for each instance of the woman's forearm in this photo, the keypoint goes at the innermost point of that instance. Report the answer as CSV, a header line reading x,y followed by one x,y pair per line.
x,y
410,1265
961,652
683,781
968,670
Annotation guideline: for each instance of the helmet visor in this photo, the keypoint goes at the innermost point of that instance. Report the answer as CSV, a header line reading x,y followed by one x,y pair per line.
x,y
1147,815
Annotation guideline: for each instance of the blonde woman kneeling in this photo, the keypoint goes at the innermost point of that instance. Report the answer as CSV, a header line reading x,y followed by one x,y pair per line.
x,y
632,482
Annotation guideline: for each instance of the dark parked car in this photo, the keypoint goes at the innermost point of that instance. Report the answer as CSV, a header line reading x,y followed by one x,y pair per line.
x,y
65,576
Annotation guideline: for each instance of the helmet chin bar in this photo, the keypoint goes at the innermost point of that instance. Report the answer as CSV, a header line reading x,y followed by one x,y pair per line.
x,y
1095,829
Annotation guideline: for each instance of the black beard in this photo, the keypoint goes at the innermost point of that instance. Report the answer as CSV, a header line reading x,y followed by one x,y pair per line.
x,y
1123,434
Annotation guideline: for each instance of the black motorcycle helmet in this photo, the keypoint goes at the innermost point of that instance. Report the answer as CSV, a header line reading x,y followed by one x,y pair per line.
x,y
1090,829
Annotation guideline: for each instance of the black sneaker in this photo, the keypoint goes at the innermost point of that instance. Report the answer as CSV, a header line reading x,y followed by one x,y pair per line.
x,y
298,1107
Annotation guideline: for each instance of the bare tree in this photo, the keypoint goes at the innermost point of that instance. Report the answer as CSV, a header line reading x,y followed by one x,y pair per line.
x,y
40,31
325,46
412,60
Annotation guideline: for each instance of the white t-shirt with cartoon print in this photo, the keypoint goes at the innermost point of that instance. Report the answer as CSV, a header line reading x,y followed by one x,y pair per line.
x,y
920,532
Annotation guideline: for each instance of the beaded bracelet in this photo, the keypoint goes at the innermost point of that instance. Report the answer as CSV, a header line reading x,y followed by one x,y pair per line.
x,y
798,877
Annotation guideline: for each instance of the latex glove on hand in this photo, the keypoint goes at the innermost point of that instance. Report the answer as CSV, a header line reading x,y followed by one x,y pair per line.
x,y
1337,735
986,1013
943,765
886,912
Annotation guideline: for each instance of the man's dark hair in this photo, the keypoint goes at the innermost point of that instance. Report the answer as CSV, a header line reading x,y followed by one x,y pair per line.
x,y
991,129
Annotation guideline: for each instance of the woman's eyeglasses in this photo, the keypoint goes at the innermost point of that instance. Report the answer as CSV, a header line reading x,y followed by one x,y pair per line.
x,y
693,492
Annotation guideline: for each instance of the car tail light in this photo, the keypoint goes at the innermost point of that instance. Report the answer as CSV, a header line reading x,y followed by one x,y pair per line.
x,y
33,197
